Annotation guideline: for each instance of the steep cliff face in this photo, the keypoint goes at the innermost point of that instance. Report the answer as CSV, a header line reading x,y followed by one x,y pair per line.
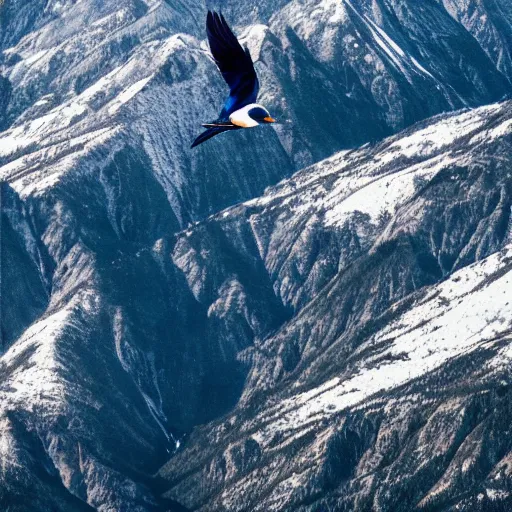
x,y
26,261
129,316
489,22
397,340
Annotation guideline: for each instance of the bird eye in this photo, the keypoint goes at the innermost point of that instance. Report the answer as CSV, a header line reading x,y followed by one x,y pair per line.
x,y
258,113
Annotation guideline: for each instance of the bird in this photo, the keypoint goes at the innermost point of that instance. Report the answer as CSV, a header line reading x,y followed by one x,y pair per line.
x,y
236,66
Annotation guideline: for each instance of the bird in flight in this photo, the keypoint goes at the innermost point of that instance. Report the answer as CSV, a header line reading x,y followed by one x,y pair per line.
x,y
235,64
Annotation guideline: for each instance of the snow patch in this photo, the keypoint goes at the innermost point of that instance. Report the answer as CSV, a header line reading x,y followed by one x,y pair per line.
x,y
457,317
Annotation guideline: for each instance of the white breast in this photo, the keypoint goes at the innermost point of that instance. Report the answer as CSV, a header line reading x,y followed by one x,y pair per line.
x,y
241,117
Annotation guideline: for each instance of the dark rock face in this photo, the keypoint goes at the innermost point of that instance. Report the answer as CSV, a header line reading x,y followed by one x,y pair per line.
x,y
486,21
24,292
5,96
304,330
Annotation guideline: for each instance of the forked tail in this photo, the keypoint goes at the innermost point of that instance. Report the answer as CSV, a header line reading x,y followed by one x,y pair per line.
x,y
211,132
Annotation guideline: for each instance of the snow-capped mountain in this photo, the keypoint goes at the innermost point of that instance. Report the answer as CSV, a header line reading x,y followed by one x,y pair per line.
x,y
395,263
328,333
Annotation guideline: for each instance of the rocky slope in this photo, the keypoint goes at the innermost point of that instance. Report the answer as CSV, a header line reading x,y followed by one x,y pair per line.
x,y
489,22
388,389
129,317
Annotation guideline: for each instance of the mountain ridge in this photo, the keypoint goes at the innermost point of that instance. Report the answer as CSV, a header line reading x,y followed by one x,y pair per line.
x,y
156,300
325,344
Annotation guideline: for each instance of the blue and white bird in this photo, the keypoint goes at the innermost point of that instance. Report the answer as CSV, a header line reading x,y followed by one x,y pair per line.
x,y
237,68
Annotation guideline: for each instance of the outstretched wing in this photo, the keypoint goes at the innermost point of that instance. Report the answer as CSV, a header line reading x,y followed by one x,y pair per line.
x,y
234,63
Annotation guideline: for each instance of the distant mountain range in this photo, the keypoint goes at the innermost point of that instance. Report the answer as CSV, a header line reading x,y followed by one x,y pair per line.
x,y
309,318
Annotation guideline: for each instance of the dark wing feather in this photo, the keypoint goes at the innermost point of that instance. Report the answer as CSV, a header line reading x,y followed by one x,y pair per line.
x,y
211,132
233,62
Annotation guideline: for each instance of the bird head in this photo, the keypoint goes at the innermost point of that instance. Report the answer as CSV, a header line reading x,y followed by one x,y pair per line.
x,y
261,115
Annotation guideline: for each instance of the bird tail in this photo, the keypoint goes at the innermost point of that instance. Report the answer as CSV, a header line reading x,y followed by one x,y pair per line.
x,y
213,124
211,132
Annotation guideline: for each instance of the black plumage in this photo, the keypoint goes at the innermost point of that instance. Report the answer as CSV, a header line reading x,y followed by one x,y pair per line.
x,y
211,132
237,69
234,63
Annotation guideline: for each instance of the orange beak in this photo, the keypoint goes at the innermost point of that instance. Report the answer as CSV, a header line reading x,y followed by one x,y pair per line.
x,y
269,119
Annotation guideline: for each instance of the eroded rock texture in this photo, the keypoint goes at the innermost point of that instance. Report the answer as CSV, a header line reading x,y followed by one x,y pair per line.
x,y
307,346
